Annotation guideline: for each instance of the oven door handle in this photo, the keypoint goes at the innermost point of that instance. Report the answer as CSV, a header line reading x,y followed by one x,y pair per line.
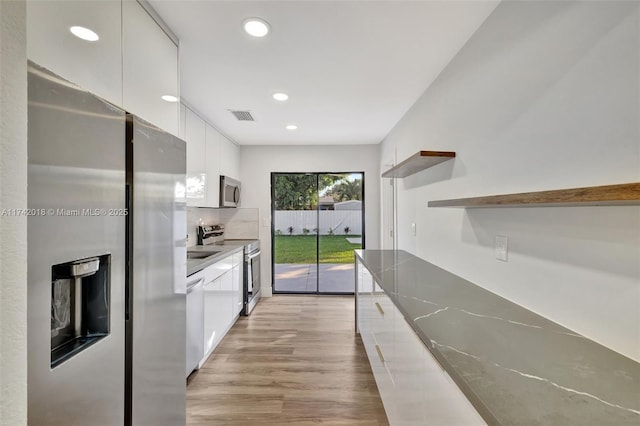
x,y
253,255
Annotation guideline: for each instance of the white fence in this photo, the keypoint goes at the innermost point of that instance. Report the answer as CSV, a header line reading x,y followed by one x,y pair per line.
x,y
336,220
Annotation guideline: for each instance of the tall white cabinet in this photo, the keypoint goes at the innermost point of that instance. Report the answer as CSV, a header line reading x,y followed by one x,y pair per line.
x,y
195,135
149,68
214,158
95,66
132,64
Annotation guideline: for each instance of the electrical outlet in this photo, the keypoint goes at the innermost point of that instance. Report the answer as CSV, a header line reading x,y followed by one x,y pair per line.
x,y
501,246
413,229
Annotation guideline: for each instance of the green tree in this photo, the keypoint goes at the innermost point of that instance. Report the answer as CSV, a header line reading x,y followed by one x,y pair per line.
x,y
299,191
295,192
348,190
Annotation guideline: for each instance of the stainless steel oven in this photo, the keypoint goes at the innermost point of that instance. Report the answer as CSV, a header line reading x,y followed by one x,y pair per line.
x,y
214,234
252,276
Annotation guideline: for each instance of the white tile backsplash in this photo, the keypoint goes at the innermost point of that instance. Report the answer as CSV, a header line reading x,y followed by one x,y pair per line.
x,y
240,224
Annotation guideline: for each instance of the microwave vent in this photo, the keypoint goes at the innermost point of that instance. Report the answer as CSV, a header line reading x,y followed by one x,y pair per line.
x,y
243,115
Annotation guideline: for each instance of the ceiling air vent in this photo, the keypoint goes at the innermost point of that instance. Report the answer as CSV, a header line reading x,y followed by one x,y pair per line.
x,y
243,115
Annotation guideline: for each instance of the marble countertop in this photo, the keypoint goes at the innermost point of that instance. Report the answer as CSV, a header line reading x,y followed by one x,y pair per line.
x,y
516,367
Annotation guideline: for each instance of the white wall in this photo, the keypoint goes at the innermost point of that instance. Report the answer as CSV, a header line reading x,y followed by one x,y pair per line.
x,y
257,163
13,230
545,95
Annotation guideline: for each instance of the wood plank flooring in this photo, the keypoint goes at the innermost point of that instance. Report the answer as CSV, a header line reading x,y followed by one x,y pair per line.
x,y
295,360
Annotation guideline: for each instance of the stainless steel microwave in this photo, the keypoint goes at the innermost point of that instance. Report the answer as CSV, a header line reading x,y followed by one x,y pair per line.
x,y
229,192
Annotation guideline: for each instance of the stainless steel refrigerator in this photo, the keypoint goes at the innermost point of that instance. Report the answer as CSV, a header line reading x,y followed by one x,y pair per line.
x,y
106,262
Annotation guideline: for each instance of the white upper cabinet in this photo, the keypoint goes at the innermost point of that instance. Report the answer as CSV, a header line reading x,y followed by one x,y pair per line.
x,y
209,155
93,65
150,68
214,162
194,135
231,154
132,64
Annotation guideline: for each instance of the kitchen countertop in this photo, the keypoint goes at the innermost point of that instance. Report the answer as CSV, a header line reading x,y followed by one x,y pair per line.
x,y
196,265
514,366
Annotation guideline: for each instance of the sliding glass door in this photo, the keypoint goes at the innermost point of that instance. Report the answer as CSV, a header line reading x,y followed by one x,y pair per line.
x,y
317,222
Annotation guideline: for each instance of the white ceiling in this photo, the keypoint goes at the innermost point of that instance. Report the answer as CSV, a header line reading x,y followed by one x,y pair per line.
x,y
351,68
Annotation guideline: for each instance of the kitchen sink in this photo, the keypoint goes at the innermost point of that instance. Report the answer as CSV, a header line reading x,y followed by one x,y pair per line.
x,y
201,254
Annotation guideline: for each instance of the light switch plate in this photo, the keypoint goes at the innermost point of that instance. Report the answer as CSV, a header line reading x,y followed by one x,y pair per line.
x,y
265,222
501,246
413,229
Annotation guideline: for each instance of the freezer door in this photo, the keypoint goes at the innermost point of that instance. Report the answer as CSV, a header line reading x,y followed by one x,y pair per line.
x,y
157,320
76,200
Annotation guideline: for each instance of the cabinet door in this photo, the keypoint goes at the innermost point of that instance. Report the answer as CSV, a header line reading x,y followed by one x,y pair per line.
x,y
217,311
213,315
228,298
94,65
230,154
213,161
382,317
238,300
196,172
150,68
195,321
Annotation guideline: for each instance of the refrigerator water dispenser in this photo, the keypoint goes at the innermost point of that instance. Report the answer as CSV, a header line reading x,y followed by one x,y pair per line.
x,y
79,306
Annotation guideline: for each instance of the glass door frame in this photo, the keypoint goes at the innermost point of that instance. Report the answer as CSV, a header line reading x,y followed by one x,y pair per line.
x,y
317,210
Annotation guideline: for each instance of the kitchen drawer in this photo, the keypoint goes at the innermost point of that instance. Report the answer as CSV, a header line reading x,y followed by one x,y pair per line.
x,y
382,317
409,349
380,369
220,267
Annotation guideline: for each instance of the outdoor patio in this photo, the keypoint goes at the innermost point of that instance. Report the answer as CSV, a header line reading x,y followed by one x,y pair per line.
x,y
295,277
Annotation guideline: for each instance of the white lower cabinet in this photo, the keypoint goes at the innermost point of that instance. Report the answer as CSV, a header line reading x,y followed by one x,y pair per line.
x,y
212,318
220,300
413,387
238,279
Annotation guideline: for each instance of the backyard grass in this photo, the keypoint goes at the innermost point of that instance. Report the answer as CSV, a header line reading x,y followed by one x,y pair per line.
x,y
302,249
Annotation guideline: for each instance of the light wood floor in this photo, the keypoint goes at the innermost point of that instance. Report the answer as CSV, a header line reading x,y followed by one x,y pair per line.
x,y
295,360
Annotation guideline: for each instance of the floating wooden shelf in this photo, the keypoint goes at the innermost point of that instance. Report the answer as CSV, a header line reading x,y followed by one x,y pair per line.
x,y
626,194
417,162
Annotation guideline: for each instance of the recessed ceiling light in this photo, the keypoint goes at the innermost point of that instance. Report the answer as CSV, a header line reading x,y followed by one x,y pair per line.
x,y
291,127
280,96
169,98
84,33
256,27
